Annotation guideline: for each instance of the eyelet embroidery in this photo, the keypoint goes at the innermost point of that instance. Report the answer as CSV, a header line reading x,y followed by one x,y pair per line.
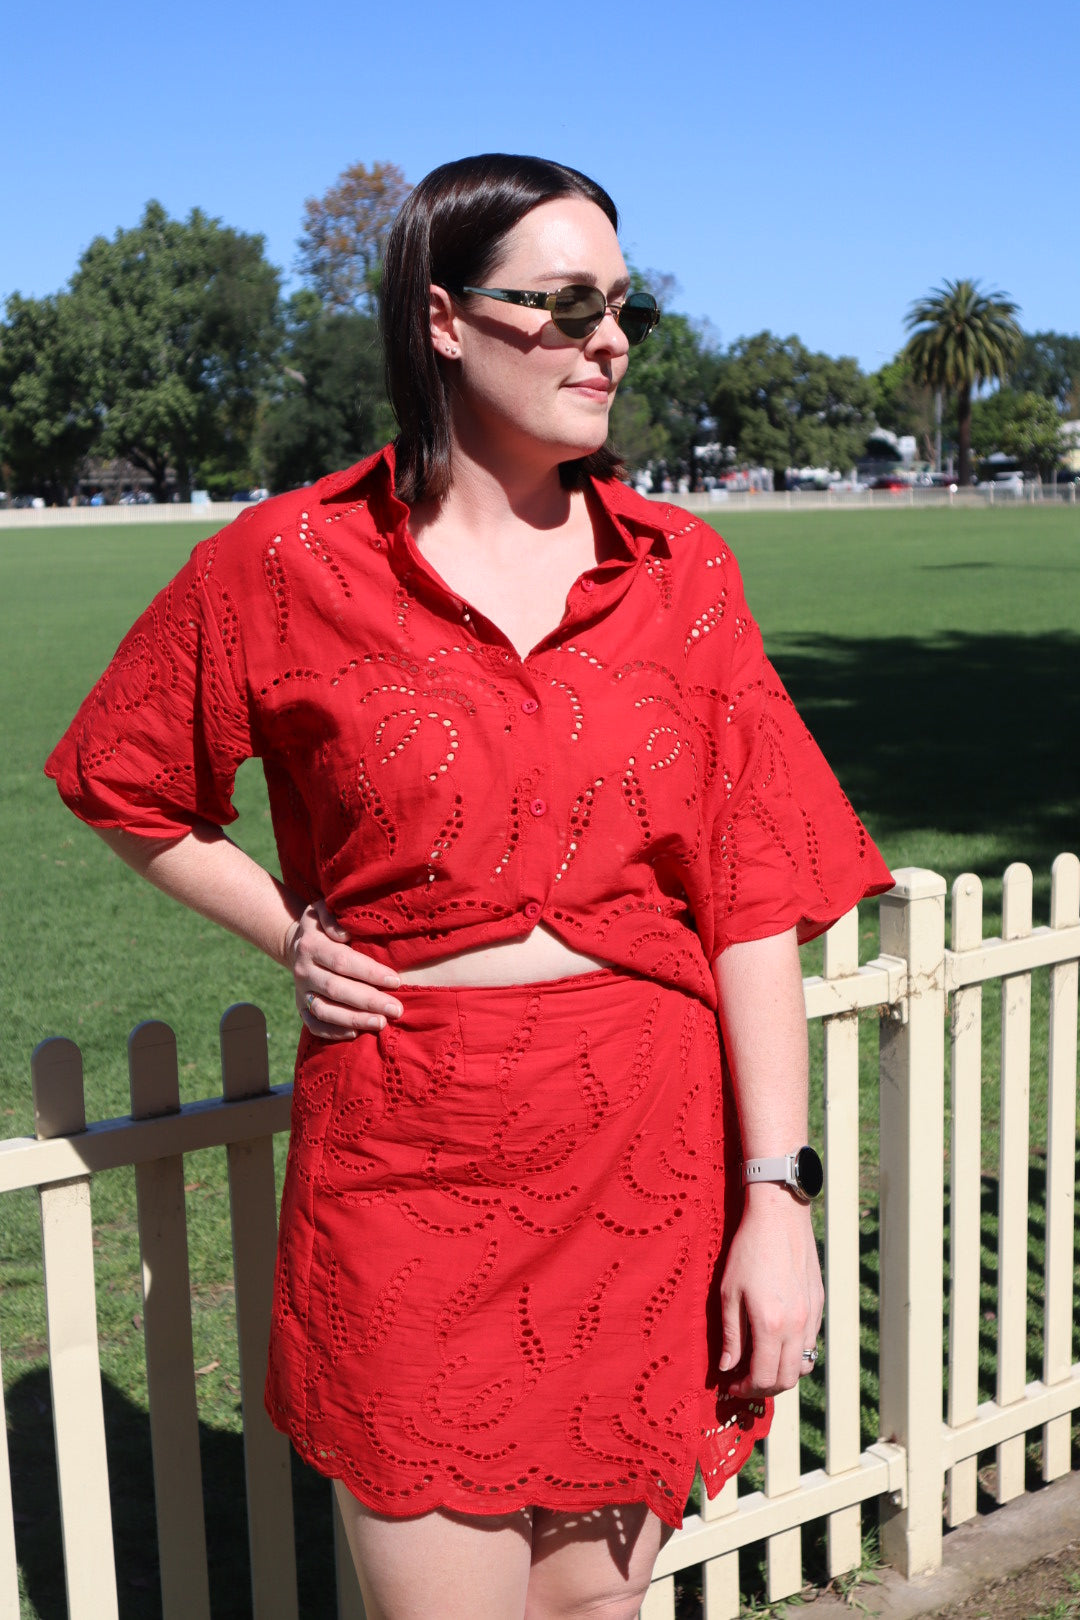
x,y
697,778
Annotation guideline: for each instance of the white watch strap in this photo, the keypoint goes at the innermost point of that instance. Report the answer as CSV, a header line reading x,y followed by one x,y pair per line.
x,y
781,1169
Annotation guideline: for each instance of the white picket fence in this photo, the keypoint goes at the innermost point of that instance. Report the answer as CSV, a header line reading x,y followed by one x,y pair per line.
x,y
908,989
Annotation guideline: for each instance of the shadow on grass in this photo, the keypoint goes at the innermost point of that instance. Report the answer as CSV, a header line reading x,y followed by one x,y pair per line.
x,y
131,1490
966,734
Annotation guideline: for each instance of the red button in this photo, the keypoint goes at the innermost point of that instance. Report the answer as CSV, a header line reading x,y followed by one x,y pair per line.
x,y
588,584
529,706
506,657
538,806
532,910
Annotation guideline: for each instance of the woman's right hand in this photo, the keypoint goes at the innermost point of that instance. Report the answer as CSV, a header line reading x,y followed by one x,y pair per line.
x,y
340,992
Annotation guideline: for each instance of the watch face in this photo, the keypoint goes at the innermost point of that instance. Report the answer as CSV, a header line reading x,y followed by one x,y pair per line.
x,y
808,1172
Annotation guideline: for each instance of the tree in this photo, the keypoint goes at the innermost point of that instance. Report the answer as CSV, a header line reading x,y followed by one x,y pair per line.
x,y
344,235
962,338
662,409
178,319
328,406
902,405
1025,427
1048,363
47,420
783,406
637,438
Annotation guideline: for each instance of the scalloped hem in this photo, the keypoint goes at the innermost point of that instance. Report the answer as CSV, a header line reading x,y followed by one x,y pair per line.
x,y
726,1445
717,1460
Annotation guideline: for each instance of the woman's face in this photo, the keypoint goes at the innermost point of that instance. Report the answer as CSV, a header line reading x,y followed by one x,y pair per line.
x,y
543,396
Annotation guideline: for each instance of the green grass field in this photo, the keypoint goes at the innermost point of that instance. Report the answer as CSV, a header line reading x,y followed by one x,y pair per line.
x,y
935,655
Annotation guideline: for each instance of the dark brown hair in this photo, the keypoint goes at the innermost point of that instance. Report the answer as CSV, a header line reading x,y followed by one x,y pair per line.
x,y
450,231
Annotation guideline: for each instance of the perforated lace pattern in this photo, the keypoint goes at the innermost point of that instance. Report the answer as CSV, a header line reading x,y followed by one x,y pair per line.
x,y
498,1232
641,783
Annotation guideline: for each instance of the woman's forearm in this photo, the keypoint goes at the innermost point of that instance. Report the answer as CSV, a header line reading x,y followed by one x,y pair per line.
x,y
340,992
763,1019
770,1294
208,872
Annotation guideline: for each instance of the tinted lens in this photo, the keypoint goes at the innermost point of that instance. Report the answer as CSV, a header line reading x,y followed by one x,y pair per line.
x,y
578,310
638,316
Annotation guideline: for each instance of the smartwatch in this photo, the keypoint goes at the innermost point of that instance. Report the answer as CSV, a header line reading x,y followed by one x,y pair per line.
x,y
801,1171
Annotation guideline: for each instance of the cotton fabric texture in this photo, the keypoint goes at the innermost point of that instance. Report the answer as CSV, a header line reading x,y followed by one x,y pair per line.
x,y
499,1225
640,783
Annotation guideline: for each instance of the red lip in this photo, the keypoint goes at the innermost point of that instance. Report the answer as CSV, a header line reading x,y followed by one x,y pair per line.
x,y
594,385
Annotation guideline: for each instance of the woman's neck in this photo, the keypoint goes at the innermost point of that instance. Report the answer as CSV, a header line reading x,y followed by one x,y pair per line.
x,y
496,494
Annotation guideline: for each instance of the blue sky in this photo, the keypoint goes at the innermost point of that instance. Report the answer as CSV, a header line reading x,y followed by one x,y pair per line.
x,y
810,169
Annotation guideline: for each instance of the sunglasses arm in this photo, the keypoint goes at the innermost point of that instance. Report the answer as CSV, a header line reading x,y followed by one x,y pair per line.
x,y
530,300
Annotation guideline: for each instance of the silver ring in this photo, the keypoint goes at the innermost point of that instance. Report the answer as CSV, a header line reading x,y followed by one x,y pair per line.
x,y
809,1355
308,999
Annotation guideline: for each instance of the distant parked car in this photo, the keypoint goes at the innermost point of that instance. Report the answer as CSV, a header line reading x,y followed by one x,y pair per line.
x,y
136,497
249,496
1003,483
895,486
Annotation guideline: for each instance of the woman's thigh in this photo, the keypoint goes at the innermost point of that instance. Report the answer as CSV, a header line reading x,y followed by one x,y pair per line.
x,y
454,1566
595,1563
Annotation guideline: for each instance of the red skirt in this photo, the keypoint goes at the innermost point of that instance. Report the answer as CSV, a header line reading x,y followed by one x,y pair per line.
x,y
499,1236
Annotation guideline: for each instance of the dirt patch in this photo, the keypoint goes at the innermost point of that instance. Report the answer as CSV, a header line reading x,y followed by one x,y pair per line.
x,y
1016,1562
1049,1589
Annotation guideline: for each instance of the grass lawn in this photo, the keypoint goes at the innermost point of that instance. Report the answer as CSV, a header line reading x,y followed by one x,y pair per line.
x,y
935,655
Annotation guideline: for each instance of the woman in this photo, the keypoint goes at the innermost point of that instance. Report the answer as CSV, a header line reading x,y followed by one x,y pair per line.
x,y
543,810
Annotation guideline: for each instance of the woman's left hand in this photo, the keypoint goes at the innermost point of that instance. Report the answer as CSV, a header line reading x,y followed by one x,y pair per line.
x,y
771,1295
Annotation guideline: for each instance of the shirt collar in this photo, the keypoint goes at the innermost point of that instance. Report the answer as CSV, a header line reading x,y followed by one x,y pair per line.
x,y
640,524
636,520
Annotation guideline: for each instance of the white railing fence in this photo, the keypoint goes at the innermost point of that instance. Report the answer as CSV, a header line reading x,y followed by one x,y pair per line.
x,y
878,500
217,513
908,989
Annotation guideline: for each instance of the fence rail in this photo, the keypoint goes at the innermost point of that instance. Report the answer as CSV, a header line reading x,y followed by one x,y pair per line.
x,y
714,502
907,988
877,500
77,517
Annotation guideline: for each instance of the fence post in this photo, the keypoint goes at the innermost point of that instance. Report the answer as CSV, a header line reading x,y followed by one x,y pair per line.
x,y
170,1362
9,1567
1014,1153
245,1072
840,1039
965,1187
912,1150
67,1246
1061,1165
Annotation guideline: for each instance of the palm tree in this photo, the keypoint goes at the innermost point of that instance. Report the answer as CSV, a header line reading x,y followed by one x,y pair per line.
x,y
960,339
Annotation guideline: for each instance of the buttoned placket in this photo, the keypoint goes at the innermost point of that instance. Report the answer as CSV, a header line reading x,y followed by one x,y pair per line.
x,y
530,738
592,595
531,743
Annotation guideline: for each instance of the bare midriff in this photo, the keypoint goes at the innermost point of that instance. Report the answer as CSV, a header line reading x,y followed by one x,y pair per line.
x,y
540,956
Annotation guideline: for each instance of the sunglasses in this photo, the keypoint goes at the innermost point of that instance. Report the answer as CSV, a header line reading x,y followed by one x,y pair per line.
x,y
577,311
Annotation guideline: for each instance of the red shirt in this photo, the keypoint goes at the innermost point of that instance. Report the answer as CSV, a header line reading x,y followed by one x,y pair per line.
x,y
640,783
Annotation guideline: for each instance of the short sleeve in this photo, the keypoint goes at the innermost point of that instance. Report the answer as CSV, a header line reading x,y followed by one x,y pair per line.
x,y
787,849
156,744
